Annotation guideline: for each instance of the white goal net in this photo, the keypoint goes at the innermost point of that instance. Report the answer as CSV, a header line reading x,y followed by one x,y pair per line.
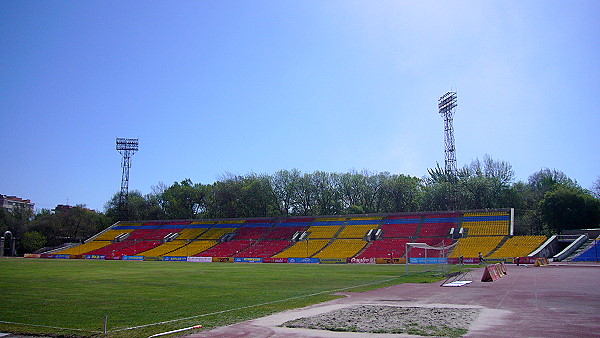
x,y
433,258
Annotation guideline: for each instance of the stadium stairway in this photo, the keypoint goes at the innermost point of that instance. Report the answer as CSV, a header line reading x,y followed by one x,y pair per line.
x,y
498,246
581,250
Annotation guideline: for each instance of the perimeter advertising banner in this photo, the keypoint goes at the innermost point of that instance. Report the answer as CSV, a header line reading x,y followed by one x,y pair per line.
x,y
62,256
333,261
400,260
133,258
95,257
466,260
223,259
152,258
175,258
304,260
32,256
247,260
432,260
274,260
362,261
200,259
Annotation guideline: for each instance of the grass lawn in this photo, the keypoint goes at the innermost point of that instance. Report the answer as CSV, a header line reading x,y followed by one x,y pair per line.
x,y
71,297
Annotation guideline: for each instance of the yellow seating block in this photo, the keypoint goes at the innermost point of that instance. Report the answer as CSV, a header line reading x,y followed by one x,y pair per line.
x,y
324,231
303,249
472,246
342,248
84,248
356,231
519,246
216,233
163,249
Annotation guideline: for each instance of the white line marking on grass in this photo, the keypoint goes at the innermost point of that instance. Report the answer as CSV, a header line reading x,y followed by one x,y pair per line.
x,y
256,305
50,327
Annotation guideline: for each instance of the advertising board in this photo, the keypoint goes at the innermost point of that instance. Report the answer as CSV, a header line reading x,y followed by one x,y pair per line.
x,y
133,258
304,260
362,260
247,260
95,257
200,259
175,258
428,260
333,261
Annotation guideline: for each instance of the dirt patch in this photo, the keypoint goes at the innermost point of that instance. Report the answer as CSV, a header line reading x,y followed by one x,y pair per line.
x,y
425,321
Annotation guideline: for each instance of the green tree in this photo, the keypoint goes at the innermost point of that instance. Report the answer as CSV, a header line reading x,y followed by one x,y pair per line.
x,y
184,200
32,241
566,207
400,193
139,207
286,187
596,188
257,198
326,193
223,198
73,224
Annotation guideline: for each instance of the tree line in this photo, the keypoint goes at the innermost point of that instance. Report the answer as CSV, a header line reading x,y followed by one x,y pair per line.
x,y
548,202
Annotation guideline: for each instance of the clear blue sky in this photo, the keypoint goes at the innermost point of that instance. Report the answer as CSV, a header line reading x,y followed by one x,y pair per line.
x,y
211,87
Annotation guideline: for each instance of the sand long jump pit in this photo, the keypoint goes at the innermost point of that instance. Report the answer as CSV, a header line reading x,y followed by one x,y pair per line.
x,y
424,321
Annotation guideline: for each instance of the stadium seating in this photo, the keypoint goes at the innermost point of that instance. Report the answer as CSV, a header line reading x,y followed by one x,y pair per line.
x,y
194,248
163,249
386,248
342,248
325,227
487,224
127,247
401,226
286,229
358,228
472,246
253,231
303,249
518,246
191,233
226,249
263,249
438,225
323,231
216,233
592,254
329,237
84,248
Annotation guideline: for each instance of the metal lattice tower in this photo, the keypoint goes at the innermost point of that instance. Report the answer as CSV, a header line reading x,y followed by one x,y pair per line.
x,y
126,147
447,105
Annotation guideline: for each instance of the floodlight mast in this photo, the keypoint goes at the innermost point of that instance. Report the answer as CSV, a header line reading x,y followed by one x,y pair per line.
x,y
447,106
126,147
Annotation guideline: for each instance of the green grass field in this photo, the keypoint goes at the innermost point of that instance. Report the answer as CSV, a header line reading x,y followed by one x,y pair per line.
x,y
72,297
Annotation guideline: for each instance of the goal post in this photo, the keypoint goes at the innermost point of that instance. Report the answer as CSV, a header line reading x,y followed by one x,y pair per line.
x,y
436,256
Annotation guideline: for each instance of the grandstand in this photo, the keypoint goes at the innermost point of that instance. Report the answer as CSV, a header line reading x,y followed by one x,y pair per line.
x,y
519,246
591,253
488,232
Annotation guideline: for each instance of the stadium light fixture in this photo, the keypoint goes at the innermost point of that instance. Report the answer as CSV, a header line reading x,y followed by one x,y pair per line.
x,y
126,147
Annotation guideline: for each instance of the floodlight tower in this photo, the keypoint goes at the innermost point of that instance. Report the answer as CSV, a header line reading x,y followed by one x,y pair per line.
x,y
126,147
447,106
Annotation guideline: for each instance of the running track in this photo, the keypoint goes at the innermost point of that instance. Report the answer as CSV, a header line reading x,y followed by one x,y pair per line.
x,y
559,300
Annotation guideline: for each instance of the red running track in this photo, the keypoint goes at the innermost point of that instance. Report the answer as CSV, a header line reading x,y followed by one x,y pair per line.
x,y
551,301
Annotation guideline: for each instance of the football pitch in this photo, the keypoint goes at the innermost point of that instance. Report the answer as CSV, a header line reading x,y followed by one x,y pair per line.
x,y
138,299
